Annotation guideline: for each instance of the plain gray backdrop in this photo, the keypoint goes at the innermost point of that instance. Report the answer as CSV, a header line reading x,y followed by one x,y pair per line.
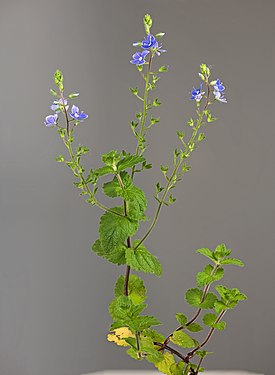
x,y
54,292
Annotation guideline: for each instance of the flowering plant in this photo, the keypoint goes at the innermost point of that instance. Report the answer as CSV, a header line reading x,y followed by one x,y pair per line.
x,y
118,225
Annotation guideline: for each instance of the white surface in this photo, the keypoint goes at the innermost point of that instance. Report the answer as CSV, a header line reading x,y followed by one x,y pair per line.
x,y
145,372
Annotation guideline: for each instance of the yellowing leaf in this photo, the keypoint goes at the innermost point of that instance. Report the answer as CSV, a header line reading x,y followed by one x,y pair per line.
x,y
119,334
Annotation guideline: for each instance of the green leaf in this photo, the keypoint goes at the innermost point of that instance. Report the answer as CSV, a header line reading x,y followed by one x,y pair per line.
x,y
141,259
111,159
73,95
123,309
102,171
116,256
137,202
159,35
133,353
207,253
220,325
193,297
165,365
177,368
129,161
181,318
207,276
163,68
202,353
209,319
139,323
209,301
233,261
154,335
136,289
114,229
221,251
60,159
182,339
194,327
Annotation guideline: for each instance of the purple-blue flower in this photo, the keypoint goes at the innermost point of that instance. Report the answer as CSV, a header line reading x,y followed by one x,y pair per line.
x,y
218,91
51,120
59,103
197,94
218,86
149,42
139,58
159,49
77,115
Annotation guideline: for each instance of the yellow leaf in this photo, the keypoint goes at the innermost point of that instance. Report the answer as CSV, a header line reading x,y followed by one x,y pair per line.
x,y
166,363
119,334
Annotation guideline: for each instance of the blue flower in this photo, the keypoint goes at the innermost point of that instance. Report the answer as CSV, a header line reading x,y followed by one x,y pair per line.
x,y
77,115
149,42
159,49
58,104
218,86
219,96
197,94
218,91
51,120
139,58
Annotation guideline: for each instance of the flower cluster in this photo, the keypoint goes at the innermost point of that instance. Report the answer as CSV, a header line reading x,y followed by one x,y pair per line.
x,y
218,92
61,105
148,44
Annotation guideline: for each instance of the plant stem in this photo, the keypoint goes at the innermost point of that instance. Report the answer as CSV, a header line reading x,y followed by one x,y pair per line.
x,y
129,243
171,350
208,337
206,289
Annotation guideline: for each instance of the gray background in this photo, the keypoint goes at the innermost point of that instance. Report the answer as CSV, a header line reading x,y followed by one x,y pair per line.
x,y
53,292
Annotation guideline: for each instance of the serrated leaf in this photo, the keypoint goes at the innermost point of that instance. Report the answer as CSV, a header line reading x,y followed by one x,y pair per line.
x,y
103,171
129,161
221,251
220,325
154,335
177,368
113,189
165,365
139,323
194,327
137,202
209,319
193,297
133,353
114,229
136,289
119,335
122,309
182,339
207,253
207,276
181,318
233,261
209,301
220,306
116,256
141,259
